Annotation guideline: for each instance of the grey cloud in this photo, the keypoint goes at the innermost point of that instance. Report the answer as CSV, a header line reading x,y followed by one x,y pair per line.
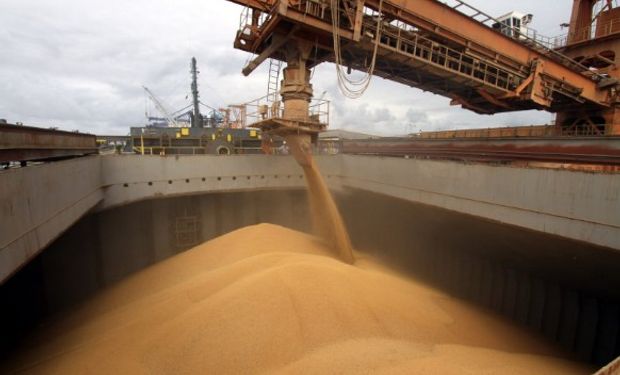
x,y
417,117
76,65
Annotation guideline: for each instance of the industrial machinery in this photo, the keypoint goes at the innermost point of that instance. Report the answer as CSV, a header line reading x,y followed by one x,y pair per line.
x,y
222,132
539,246
451,49
168,119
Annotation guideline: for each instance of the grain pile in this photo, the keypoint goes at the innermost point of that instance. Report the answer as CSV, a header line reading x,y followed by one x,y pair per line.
x,y
268,299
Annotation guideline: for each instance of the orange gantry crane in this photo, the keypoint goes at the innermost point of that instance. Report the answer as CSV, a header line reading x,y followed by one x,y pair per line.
x,y
451,49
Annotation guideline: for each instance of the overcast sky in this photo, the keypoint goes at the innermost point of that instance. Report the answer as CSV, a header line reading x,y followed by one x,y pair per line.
x,y
80,65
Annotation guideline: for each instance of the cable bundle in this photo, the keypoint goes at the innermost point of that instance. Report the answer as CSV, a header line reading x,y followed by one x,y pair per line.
x,y
352,88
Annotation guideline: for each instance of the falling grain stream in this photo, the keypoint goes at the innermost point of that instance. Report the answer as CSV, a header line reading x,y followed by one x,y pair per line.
x,y
326,218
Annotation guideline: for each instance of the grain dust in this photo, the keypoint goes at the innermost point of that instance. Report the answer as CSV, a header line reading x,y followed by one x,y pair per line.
x,y
326,218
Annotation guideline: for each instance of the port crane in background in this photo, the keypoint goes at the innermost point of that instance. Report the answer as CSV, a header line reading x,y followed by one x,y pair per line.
x,y
451,49
172,119
188,132
172,122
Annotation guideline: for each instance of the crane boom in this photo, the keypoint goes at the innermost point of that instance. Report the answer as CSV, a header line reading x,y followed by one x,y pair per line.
x,y
429,45
160,107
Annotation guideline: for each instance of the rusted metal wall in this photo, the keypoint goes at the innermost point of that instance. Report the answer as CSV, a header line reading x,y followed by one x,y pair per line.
x,y
603,151
511,131
24,143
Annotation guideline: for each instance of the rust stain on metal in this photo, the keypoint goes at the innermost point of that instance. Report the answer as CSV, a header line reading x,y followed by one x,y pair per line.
x,y
25,143
602,151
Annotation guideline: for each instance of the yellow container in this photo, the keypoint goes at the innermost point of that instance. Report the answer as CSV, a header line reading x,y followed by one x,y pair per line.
x,y
178,135
184,131
213,136
252,133
229,137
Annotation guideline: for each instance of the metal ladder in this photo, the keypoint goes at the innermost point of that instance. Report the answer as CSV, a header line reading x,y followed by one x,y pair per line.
x,y
274,80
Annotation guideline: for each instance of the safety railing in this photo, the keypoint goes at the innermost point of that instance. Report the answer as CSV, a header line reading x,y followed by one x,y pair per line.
x,y
582,130
261,109
319,111
524,34
527,36
250,18
251,22
597,30
401,38
316,8
265,108
532,34
404,38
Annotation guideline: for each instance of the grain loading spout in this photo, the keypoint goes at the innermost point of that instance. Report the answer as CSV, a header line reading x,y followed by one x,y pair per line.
x,y
300,128
295,118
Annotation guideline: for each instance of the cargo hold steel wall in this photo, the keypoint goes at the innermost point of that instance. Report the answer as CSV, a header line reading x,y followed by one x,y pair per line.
x,y
565,289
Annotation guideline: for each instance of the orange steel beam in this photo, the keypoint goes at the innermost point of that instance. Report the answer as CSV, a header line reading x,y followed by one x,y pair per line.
x,y
444,21
581,17
449,24
255,4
